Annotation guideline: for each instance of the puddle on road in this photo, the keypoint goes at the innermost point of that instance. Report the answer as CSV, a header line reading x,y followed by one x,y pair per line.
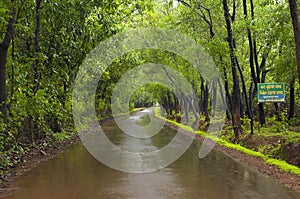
x,y
75,174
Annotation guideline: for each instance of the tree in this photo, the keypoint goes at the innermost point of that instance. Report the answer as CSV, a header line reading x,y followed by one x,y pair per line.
x,y
296,28
236,122
4,46
42,45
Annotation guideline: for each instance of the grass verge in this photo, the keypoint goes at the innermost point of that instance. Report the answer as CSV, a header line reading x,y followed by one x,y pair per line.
x,y
283,165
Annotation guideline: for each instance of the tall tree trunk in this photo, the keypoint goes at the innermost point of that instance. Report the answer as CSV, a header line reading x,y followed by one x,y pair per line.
x,y
262,117
3,59
176,104
166,105
3,93
251,59
205,103
248,106
254,65
185,108
277,111
169,103
236,121
292,99
228,98
223,99
36,45
12,81
213,98
193,109
296,27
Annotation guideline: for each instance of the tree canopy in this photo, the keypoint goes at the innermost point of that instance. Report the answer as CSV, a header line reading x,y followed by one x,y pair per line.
x,y
44,42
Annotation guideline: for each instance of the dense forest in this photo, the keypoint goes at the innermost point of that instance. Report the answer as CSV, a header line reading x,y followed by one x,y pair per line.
x,y
44,42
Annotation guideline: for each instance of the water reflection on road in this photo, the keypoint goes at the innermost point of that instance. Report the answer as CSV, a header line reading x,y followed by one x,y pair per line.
x,y
76,174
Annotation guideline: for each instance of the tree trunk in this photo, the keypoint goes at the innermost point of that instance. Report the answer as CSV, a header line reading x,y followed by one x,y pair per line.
x,y
202,96
278,117
224,99
292,99
185,108
3,59
248,106
236,121
166,105
3,94
262,118
169,103
36,45
193,109
251,60
296,27
228,99
255,71
12,75
176,104
205,103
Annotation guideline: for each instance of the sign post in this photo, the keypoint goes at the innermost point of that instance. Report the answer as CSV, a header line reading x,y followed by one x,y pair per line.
x,y
270,92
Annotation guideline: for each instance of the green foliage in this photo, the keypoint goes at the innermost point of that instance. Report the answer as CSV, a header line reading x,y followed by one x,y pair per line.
x,y
184,127
40,73
284,166
61,136
43,62
242,149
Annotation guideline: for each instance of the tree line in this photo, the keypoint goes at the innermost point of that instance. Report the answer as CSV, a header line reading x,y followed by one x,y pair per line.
x,y
43,43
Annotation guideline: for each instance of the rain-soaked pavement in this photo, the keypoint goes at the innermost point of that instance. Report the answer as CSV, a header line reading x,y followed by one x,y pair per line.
x,y
76,174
